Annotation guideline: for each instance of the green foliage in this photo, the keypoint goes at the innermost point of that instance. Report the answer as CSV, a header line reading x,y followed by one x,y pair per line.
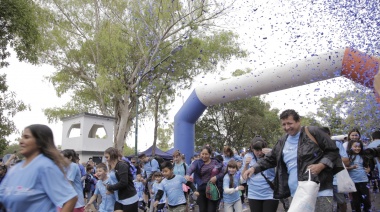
x,y
9,106
13,148
354,108
19,30
310,120
128,150
236,123
164,136
104,50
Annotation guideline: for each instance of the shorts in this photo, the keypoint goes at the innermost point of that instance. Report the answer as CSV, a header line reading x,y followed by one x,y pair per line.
x,y
127,208
340,198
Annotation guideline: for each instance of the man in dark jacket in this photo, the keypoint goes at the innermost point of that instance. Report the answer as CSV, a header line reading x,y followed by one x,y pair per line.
x,y
294,154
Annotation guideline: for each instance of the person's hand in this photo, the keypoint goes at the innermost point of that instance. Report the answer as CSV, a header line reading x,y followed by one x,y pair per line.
x,y
151,192
367,170
316,168
187,177
213,179
248,160
85,207
266,150
196,193
240,188
248,173
155,204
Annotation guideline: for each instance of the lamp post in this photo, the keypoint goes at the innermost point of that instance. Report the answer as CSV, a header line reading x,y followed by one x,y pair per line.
x,y
174,51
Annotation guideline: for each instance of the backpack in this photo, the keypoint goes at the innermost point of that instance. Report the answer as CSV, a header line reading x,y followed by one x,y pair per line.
x,y
132,168
159,159
87,182
212,192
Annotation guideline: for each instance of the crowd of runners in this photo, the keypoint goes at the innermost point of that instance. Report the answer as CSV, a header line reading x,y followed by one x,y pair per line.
x,y
49,180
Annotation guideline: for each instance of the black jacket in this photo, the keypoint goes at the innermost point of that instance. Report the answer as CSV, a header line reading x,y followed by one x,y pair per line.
x,y
308,153
125,187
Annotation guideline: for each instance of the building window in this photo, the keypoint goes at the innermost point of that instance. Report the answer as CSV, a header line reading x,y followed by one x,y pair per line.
x,y
74,131
97,131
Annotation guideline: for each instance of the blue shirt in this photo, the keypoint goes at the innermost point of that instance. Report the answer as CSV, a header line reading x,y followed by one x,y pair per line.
x,y
179,169
258,187
342,153
74,176
108,200
155,188
39,186
235,196
290,158
358,175
82,169
173,190
374,144
151,166
139,186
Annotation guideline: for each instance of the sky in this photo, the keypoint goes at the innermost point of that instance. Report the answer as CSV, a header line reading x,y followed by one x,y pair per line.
x,y
273,32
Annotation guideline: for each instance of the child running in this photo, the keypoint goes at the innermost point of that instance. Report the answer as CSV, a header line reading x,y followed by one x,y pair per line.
x,y
358,169
89,183
108,200
155,187
231,187
172,186
139,186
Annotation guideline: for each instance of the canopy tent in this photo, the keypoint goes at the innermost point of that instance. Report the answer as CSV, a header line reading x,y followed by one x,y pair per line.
x,y
171,151
159,152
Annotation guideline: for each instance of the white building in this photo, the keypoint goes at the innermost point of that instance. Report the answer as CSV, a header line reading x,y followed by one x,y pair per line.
x,y
88,134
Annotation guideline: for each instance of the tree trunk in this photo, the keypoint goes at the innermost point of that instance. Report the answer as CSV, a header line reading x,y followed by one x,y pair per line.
x,y
123,125
156,122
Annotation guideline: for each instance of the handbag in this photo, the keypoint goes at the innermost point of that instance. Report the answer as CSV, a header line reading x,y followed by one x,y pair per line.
x,y
305,197
212,192
344,182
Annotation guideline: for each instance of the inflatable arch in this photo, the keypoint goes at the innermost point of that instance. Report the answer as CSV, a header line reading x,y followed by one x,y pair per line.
x,y
350,63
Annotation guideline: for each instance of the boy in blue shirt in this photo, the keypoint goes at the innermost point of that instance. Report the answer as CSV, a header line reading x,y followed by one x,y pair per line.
x,y
172,186
108,200
139,186
155,187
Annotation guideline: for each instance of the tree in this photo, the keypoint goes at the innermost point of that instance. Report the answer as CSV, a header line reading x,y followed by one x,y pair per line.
x,y
128,150
19,30
11,149
106,51
9,106
236,123
354,108
164,136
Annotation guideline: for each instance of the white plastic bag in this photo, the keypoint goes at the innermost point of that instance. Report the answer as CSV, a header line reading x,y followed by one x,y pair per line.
x,y
305,197
344,181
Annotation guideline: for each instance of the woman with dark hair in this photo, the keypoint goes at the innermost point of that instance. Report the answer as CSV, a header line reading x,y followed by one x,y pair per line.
x,y
353,135
206,169
74,176
122,182
37,183
228,154
260,193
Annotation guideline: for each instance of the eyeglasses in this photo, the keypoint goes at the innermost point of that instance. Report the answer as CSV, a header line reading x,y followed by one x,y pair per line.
x,y
133,161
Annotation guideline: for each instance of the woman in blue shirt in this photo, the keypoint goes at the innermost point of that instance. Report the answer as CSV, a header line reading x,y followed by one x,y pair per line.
x,y
358,169
260,194
74,176
37,183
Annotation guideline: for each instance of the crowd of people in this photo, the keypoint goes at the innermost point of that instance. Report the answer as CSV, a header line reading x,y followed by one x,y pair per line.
x,y
49,180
